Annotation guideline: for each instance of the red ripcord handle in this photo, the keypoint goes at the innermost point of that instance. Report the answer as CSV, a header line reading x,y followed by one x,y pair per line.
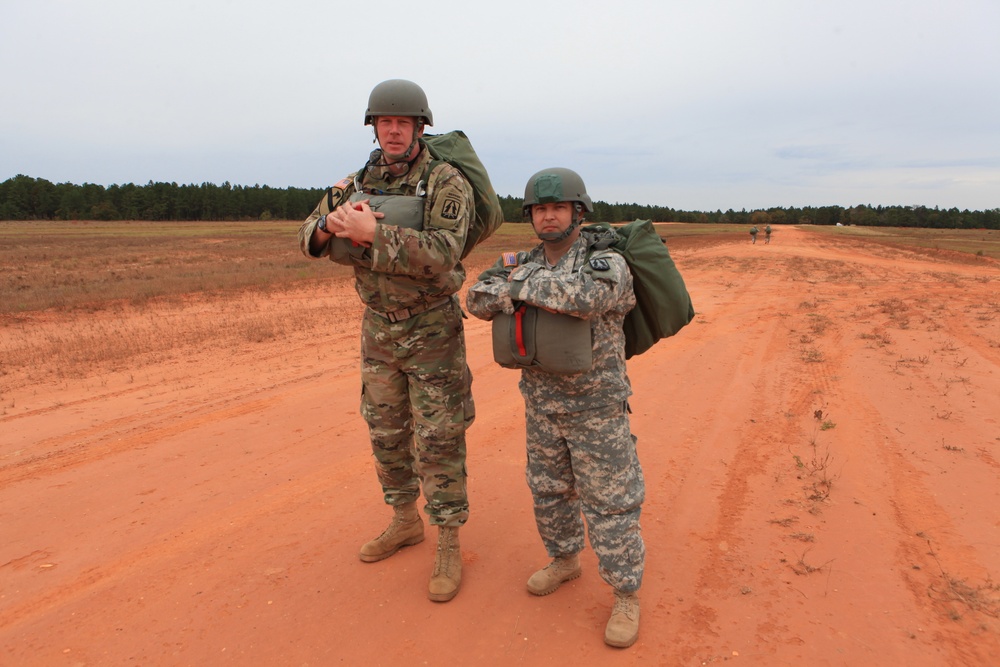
x,y
357,207
519,330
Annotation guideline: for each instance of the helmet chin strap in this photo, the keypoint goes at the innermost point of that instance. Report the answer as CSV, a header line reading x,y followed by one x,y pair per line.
x,y
556,237
405,157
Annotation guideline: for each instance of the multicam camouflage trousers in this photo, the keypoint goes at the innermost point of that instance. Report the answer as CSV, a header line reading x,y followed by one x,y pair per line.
x,y
586,462
416,395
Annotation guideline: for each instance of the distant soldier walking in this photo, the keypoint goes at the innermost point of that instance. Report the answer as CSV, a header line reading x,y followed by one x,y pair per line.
x,y
767,234
753,234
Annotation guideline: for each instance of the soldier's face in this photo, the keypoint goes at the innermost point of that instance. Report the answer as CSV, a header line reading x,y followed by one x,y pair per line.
x,y
396,133
552,217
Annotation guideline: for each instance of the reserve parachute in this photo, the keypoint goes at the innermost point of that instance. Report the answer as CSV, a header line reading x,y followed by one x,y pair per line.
x,y
452,147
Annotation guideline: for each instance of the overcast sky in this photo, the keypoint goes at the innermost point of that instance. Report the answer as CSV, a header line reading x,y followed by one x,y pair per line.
x,y
692,104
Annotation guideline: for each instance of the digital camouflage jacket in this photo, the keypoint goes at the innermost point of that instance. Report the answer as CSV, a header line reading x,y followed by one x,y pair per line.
x,y
597,288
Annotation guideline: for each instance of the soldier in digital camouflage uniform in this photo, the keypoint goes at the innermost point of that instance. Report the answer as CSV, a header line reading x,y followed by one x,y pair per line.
x,y
416,386
581,453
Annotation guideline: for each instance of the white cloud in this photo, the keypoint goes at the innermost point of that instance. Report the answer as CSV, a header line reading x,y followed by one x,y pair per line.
x,y
711,104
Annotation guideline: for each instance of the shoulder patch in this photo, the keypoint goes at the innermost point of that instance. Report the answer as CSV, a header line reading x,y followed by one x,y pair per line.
x,y
343,183
509,259
451,208
599,264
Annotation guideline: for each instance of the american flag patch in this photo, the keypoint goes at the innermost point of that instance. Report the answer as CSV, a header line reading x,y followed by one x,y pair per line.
x,y
342,185
509,258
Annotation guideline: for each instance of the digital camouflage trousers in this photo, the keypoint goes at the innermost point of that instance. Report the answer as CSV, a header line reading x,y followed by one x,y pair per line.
x,y
585,463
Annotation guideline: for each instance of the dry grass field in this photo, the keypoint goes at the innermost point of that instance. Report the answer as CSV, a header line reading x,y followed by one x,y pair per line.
x,y
185,479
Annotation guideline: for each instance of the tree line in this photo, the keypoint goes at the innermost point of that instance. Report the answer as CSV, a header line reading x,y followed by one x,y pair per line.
x,y
873,216
26,198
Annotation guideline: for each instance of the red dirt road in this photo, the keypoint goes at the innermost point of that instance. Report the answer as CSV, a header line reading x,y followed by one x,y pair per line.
x,y
821,452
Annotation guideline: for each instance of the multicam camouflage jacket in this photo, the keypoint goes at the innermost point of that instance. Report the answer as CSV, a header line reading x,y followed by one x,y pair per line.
x,y
407,267
595,286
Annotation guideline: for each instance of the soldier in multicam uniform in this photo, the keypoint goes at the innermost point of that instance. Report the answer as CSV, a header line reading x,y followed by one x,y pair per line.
x,y
416,386
581,453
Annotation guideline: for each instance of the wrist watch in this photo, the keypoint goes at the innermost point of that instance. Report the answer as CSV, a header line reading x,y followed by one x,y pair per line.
x,y
322,224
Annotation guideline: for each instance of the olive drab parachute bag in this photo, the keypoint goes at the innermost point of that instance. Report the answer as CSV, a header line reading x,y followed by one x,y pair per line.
x,y
456,149
534,338
663,306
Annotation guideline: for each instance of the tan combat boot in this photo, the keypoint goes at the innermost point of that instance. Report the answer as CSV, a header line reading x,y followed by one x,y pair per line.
x,y
447,576
552,576
623,626
405,529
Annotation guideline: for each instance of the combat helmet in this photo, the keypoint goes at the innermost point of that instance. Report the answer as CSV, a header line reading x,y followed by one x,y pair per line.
x,y
398,97
553,185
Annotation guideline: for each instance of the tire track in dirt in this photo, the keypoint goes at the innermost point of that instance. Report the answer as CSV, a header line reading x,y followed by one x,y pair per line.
x,y
153,407
734,564
714,460
794,509
880,458
105,396
164,549
210,529
129,433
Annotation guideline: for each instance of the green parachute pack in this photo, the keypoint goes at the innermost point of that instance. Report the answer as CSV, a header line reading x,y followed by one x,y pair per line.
x,y
456,149
663,306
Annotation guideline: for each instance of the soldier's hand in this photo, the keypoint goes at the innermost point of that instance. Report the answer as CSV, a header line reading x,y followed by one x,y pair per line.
x,y
355,222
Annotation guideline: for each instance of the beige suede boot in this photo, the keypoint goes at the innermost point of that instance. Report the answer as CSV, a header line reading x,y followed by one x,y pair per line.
x,y
623,626
552,576
406,529
447,576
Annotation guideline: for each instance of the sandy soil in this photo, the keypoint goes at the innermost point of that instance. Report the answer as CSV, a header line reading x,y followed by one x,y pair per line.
x,y
821,450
